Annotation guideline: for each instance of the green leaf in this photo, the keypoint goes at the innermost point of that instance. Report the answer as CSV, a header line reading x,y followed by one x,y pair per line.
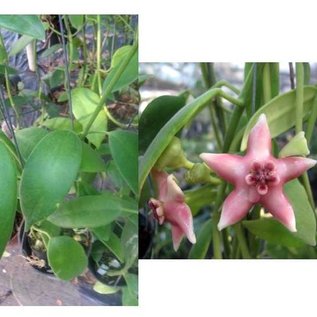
x,y
304,214
59,123
124,150
170,129
204,237
76,21
55,78
85,101
90,211
20,44
49,51
129,75
91,161
66,257
10,70
8,198
24,24
280,113
105,289
129,240
28,138
130,293
114,245
103,232
48,174
273,231
10,147
159,111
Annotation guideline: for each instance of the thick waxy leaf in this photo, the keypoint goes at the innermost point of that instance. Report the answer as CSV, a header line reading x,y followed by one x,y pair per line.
x,y
8,198
170,129
28,138
280,113
124,150
91,211
10,147
105,289
48,174
273,231
24,24
91,160
20,44
85,101
130,293
59,123
155,115
66,257
130,73
76,20
204,237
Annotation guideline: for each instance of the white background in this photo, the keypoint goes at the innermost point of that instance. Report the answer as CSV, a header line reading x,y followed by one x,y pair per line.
x,y
195,31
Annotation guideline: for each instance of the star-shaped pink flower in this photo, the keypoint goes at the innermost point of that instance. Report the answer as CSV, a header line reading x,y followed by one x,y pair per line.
x,y
258,177
171,207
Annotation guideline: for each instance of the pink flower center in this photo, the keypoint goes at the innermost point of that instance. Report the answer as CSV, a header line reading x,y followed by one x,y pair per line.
x,y
262,176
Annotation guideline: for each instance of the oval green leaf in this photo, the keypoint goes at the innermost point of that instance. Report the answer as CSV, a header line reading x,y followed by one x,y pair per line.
x,y
129,75
66,257
85,101
166,134
24,24
91,161
154,117
273,231
28,138
91,211
48,174
280,113
204,237
124,150
8,198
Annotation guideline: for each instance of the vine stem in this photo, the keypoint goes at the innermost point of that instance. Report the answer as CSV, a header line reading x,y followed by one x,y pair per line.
x,y
299,97
109,87
98,53
242,241
67,76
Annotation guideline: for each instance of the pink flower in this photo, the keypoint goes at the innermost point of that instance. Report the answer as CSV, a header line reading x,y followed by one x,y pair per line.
x,y
171,207
258,177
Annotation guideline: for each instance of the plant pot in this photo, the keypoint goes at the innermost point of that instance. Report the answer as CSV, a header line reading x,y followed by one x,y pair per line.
x,y
37,259
107,262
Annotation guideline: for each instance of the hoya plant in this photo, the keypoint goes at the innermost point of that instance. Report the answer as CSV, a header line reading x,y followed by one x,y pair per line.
x,y
245,191
70,173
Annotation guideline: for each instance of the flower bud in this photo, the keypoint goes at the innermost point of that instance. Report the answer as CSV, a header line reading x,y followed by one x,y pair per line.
x,y
173,156
199,173
296,146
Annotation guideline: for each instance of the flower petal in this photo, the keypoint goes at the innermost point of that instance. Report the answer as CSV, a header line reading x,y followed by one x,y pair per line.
x,y
179,215
174,192
228,166
292,167
235,207
259,141
177,236
160,178
278,205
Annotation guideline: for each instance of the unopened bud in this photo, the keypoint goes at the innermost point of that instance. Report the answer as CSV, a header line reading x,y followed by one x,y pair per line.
x,y
296,146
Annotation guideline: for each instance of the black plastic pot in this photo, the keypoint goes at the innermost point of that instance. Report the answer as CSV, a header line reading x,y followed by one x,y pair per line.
x,y
107,263
37,259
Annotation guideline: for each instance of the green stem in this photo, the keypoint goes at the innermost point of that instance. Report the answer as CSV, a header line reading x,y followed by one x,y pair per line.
x,y
216,238
267,93
109,87
214,126
299,97
70,41
311,121
242,241
98,52
306,184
